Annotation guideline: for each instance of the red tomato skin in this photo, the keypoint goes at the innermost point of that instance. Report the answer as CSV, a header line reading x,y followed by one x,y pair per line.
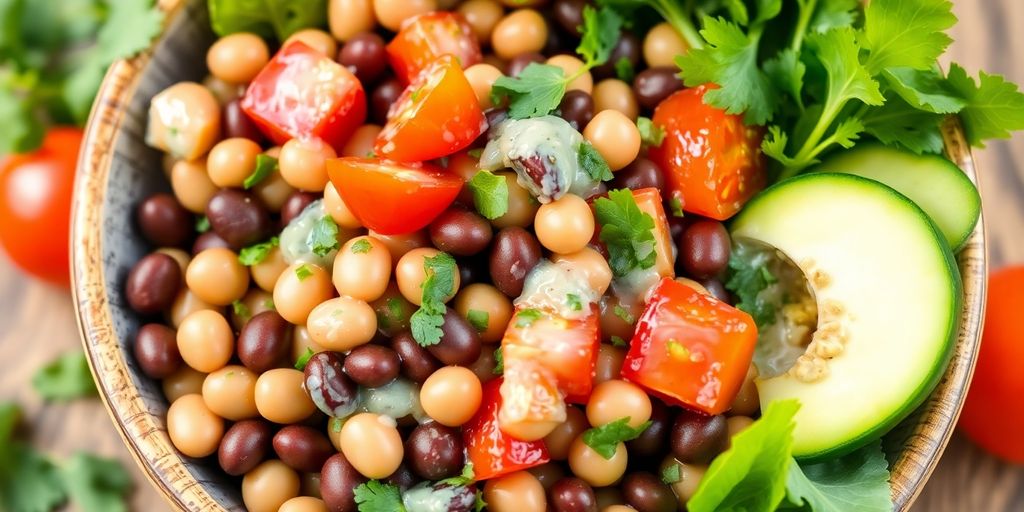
x,y
437,115
428,36
690,349
993,415
302,93
493,452
392,198
712,162
35,205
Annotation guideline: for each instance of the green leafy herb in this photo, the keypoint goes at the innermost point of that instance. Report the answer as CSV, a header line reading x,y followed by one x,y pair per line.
x,y
361,246
499,362
29,482
624,70
267,18
478,319
906,33
994,106
300,363
466,477
202,224
336,424
490,194
255,254
241,310
626,231
618,342
265,165
323,238
676,206
66,378
377,496
96,484
670,474
526,317
651,134
605,439
438,287
858,482
624,314
303,272
574,301
748,278
592,162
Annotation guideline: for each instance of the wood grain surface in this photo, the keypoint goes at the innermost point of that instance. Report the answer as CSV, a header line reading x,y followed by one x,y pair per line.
x,y
38,320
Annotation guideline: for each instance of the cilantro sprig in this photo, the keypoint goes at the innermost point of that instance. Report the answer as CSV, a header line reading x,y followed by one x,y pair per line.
x,y
605,439
265,165
438,287
627,231
748,277
323,238
490,194
377,496
255,254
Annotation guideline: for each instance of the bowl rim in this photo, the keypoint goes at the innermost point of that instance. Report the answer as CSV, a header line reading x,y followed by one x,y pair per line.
x,y
146,437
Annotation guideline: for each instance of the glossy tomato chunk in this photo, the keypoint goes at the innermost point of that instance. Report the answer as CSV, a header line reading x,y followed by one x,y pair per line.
x,y
428,36
303,93
392,198
493,452
567,347
690,349
711,160
649,201
435,116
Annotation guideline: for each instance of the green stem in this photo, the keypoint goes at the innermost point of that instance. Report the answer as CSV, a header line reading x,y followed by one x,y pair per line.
x,y
806,11
673,13
813,145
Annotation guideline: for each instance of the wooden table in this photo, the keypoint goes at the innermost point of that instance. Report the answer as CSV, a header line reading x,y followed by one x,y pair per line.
x,y
38,320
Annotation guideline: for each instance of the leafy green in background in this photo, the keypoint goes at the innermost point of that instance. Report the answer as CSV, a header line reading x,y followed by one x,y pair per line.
x,y
268,18
66,378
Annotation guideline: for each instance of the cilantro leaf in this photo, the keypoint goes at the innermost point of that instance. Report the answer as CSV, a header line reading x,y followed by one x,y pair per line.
x,y
627,231
676,206
858,482
786,73
605,439
361,246
748,278
624,70
899,124
994,107
478,319
907,33
618,342
830,14
323,238
848,79
526,317
670,474
490,194
600,33
303,360
536,91
651,135
96,484
303,271
202,224
267,18
65,378
466,477
265,165
924,90
377,496
499,362
29,482
573,301
438,287
623,314
593,163
255,254
241,310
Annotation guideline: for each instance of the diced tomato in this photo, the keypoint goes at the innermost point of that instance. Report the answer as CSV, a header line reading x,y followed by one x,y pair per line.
x,y
303,93
568,347
428,36
493,452
435,116
711,160
649,202
392,198
531,403
691,349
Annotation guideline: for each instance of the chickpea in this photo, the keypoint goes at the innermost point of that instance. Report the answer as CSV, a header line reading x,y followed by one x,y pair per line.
x,y
372,444
193,428
338,210
266,273
301,288
482,16
481,78
303,163
206,341
571,66
592,265
565,225
521,31
192,185
410,274
316,39
342,323
618,508
237,58
393,13
594,469
185,304
616,399
615,137
451,395
274,191
216,276
522,207
614,94
360,144
301,341
399,245
184,120
347,18
231,393
561,438
515,492
489,300
690,476
662,44
231,161
281,398
609,363
269,486
334,431
362,269
747,401
185,381
304,504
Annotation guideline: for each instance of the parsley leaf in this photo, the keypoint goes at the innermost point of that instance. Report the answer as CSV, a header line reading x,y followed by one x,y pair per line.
x,y
361,246
994,106
748,278
303,272
96,484
438,287
65,378
377,496
858,482
267,18
897,123
624,70
265,165
924,89
907,33
255,254
241,310
627,231
526,317
303,360
478,319
490,194
499,362
651,135
323,238
593,163
670,474
600,33
605,439
466,477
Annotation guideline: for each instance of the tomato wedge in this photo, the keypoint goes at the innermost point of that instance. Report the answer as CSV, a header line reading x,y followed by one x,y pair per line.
x,y
303,93
711,160
392,198
568,347
649,202
493,452
435,116
428,36
690,349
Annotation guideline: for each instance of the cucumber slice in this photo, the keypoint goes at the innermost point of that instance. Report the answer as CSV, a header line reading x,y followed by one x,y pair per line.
x,y
887,292
937,185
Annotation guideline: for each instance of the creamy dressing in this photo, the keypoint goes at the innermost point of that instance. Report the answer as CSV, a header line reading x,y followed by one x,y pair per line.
x,y
397,399
296,246
425,497
560,288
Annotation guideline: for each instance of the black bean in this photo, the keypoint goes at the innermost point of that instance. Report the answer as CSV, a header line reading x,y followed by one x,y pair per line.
x,y
244,446
653,85
704,249
264,342
238,124
338,482
364,55
164,222
514,253
417,362
519,63
647,493
460,232
653,441
569,15
331,390
460,342
628,47
547,474
697,438
294,205
208,240
303,448
156,350
716,289
434,451
577,108
238,217
558,42
383,97
473,270
372,365
403,477
571,494
640,173
153,283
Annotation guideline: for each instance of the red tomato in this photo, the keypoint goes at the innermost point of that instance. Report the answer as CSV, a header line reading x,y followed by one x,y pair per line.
x,y
649,202
493,452
567,347
435,116
993,415
35,205
303,93
393,198
711,160
428,36
691,349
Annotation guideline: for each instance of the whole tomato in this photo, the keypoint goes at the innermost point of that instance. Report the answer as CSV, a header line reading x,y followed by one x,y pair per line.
x,y
35,205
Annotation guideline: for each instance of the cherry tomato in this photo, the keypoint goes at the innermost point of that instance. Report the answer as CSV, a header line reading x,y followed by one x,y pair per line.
x,y
649,202
435,116
567,347
428,36
35,205
711,160
393,198
993,415
302,93
493,452
690,349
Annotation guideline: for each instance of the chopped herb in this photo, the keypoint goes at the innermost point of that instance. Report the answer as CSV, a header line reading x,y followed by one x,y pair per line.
x,y
269,304
748,277
438,287
202,224
395,307
618,342
300,363
676,206
624,70
499,362
336,424
605,439
241,310
624,314
255,254
362,246
526,317
303,271
464,478
323,238
574,301
626,231
592,162
377,496
670,474
651,134
265,165
490,194
478,319
475,152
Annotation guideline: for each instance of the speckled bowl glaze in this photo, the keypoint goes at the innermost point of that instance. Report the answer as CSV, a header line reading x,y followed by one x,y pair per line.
x,y
117,170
